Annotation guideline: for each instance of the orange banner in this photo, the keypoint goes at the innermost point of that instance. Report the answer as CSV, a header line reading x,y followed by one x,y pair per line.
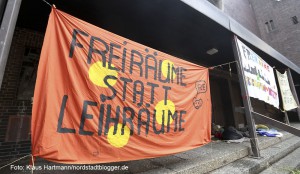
x,y
100,97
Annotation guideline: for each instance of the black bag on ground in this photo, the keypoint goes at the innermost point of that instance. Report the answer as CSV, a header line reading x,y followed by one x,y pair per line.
x,y
231,133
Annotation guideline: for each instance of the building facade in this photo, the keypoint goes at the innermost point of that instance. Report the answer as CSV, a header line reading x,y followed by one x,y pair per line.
x,y
241,11
274,21
278,22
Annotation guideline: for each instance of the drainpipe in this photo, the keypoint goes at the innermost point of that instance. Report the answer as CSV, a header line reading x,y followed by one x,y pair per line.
x,y
6,32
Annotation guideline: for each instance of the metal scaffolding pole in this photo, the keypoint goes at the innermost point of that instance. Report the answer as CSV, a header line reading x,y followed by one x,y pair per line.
x,y
6,32
246,101
293,89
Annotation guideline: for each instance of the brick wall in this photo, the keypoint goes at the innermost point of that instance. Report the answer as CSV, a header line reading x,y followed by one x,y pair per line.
x,y
285,37
10,106
241,11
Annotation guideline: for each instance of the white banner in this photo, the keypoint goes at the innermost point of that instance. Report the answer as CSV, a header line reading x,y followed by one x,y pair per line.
x,y
288,99
259,76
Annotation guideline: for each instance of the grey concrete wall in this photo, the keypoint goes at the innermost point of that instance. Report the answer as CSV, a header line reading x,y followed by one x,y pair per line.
x,y
285,38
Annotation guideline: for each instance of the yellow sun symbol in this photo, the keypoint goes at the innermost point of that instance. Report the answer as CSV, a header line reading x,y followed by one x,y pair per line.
x,y
118,140
161,108
165,69
97,73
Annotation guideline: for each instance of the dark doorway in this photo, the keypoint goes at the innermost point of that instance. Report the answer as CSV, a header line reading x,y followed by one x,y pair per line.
x,y
222,113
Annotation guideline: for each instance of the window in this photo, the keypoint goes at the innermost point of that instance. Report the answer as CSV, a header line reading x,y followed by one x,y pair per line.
x,y
267,26
295,20
28,73
18,129
270,25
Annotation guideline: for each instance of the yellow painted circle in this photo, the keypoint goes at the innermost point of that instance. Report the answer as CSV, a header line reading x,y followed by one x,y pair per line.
x,y
165,69
118,140
97,73
162,108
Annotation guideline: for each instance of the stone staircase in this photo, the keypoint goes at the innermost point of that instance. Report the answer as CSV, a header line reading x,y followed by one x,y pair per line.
x,y
221,157
278,155
287,149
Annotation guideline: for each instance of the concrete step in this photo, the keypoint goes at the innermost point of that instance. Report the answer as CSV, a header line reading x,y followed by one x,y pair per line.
x,y
269,155
285,165
212,156
217,156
